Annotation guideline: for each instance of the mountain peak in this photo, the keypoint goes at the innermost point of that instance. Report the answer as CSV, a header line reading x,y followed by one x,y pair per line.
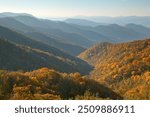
x,y
10,14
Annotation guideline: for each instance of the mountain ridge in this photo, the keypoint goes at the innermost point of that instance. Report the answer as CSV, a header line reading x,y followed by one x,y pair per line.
x,y
20,39
124,67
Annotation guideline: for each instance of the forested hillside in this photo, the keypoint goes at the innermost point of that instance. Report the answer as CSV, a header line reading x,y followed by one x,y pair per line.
x,y
48,84
18,57
123,67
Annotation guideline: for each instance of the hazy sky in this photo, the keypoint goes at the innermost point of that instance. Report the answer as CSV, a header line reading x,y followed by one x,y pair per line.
x,y
66,8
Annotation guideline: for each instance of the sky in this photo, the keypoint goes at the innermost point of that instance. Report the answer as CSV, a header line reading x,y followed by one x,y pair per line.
x,y
70,8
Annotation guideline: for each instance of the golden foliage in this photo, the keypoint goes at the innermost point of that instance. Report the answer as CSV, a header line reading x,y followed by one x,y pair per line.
x,y
47,84
125,68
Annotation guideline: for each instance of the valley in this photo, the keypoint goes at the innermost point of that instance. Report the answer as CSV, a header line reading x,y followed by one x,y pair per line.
x,y
72,59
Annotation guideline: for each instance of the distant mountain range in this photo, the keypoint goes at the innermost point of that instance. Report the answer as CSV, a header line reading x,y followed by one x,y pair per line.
x,y
141,20
82,22
10,14
13,24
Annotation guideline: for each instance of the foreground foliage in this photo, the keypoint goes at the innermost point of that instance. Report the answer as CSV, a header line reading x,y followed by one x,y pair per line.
x,y
48,84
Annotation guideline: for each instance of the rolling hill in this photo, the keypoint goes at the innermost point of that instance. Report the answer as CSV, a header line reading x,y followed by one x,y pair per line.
x,y
73,63
46,25
139,28
123,67
70,38
16,57
11,23
81,22
120,33
141,20
71,48
10,14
